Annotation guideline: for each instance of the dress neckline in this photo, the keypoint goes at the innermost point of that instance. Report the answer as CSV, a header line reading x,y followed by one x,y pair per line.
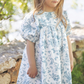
x,y
52,13
46,11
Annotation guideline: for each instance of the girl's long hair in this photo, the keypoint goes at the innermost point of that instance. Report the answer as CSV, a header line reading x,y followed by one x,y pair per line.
x,y
39,5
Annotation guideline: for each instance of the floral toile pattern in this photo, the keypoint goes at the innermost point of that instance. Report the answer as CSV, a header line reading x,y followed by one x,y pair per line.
x,y
51,50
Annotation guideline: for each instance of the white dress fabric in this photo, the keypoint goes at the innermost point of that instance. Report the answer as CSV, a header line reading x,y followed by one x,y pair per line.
x,y
51,49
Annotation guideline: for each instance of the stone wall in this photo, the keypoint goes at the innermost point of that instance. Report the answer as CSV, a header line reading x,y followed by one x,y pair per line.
x,y
11,55
77,39
10,60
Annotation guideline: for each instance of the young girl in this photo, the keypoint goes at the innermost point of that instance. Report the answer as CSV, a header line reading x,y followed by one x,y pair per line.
x,y
47,57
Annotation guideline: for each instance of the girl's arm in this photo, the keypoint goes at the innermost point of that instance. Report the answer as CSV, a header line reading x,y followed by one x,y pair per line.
x,y
70,49
32,70
70,52
30,53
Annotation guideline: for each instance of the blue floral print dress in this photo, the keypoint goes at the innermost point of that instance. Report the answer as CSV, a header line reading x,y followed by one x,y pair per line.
x,y
51,49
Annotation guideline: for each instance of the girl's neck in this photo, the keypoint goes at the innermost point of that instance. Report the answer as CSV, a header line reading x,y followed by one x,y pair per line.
x,y
48,9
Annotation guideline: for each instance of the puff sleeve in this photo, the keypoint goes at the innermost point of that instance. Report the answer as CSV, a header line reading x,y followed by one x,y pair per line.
x,y
29,28
68,29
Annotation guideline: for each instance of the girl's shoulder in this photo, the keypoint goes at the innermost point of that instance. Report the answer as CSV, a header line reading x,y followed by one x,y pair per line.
x,y
65,13
29,15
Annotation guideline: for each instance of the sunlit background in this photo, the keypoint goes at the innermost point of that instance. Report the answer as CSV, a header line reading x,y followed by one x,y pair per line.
x,y
13,11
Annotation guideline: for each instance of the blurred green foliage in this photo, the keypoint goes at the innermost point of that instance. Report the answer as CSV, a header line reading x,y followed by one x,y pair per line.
x,y
74,4
9,7
78,71
2,34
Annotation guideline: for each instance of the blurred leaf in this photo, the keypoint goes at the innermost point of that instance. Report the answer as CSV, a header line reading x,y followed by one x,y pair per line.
x,y
10,7
74,5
